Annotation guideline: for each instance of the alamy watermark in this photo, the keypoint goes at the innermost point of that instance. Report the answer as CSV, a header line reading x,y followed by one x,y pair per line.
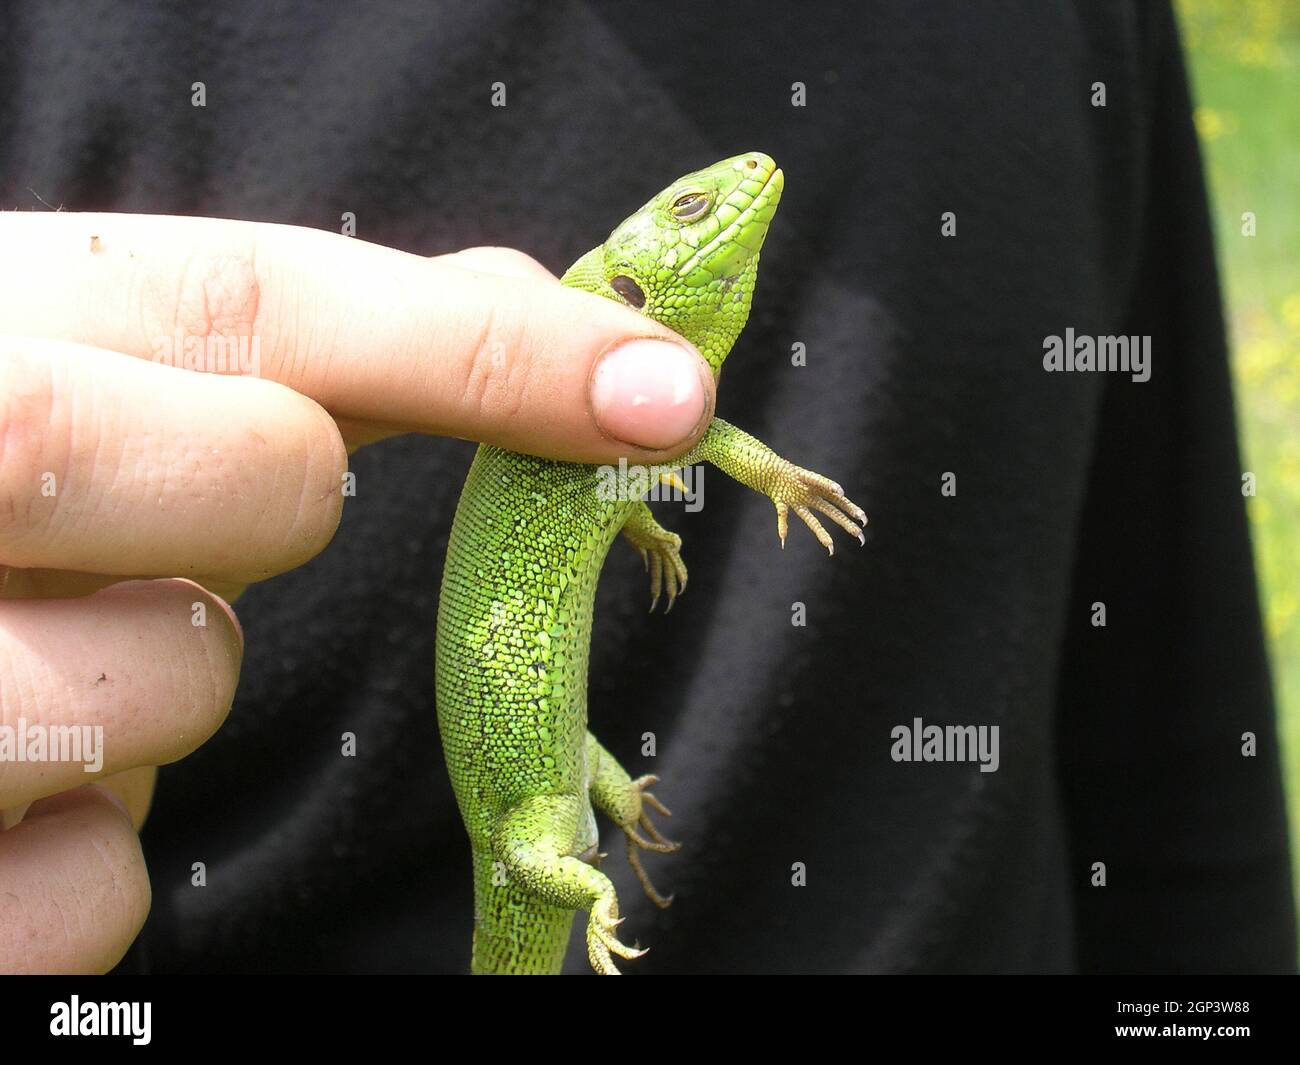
x,y
53,743
653,483
236,355
131,1019
919,742
1099,354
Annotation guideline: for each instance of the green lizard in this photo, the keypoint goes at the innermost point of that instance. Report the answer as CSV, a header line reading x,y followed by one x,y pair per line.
x,y
526,549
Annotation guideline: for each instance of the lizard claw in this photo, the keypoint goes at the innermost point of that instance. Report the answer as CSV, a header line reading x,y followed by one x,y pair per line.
x,y
641,783
601,938
634,860
673,479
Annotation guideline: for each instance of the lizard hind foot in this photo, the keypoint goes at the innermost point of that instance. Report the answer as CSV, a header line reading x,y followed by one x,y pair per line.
x,y
663,846
602,938
657,843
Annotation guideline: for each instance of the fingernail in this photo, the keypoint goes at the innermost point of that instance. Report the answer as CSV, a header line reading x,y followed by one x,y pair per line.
x,y
649,393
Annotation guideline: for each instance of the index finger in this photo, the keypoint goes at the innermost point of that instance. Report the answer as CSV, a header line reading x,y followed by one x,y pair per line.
x,y
373,334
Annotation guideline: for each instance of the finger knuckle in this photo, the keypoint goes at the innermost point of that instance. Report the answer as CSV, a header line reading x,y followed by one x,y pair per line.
x,y
497,372
35,443
217,302
510,260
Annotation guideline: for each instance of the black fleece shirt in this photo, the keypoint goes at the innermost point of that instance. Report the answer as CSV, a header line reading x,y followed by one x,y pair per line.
x,y
956,195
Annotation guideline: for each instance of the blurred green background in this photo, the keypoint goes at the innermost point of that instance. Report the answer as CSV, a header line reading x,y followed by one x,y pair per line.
x,y
1244,58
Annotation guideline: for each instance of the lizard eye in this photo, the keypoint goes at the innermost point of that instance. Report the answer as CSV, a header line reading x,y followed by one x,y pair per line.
x,y
629,290
690,206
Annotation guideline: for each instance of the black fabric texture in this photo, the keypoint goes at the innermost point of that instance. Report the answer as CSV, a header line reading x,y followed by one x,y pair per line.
x,y
924,357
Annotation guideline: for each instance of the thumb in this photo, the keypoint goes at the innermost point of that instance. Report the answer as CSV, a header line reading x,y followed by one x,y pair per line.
x,y
652,393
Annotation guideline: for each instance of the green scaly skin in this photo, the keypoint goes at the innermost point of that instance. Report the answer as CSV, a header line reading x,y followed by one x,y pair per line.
x,y
526,550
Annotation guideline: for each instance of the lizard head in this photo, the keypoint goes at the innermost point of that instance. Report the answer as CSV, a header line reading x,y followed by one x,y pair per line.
x,y
689,257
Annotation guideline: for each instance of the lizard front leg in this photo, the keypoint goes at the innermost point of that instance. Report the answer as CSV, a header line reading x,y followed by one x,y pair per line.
x,y
790,487
625,800
660,550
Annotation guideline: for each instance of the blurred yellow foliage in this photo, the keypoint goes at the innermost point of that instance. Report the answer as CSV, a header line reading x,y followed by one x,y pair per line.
x,y
1291,308
1212,124
1248,31
1281,613
1244,59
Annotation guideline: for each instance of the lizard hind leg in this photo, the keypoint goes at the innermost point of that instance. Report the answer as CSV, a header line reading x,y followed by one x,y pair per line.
x,y
625,800
534,842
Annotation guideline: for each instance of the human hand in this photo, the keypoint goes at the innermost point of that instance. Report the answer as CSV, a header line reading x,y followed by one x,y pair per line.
x,y
138,497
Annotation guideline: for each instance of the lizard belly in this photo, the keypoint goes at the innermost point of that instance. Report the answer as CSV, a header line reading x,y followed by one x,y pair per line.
x,y
514,632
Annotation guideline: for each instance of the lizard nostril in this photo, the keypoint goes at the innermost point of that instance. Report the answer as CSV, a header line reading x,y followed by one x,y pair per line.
x,y
750,164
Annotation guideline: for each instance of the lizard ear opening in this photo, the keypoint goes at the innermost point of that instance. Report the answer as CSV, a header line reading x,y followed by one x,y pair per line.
x,y
629,290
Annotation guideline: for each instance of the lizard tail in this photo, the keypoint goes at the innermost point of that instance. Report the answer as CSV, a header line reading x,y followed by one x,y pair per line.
x,y
515,934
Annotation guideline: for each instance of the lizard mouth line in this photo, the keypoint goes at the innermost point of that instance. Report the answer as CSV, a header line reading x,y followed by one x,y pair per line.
x,y
731,233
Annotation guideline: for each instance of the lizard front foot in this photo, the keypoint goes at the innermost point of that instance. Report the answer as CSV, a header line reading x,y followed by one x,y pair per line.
x,y
661,552
666,568
803,492
602,938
